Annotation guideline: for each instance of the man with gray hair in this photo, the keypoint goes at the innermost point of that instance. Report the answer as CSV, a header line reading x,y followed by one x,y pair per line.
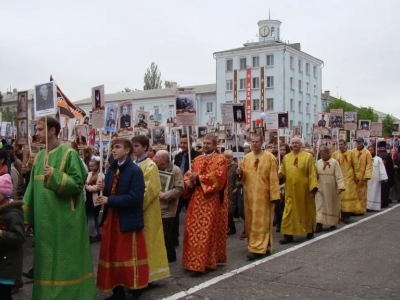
x,y
172,187
330,186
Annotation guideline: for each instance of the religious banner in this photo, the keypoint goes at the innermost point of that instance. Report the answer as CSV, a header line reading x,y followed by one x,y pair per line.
x,y
395,128
262,89
350,120
45,99
376,129
22,104
336,118
248,97
125,128
111,113
186,108
235,86
98,107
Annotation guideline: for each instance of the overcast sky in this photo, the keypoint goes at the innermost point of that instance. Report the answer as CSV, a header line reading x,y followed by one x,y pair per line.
x,y
87,43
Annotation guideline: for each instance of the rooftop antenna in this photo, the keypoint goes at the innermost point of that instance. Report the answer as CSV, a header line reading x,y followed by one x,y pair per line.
x,y
269,12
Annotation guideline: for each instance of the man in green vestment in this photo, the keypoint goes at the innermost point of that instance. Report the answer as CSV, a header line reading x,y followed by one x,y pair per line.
x,y
55,207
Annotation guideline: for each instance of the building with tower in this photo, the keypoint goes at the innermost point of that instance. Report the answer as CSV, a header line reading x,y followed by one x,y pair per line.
x,y
271,75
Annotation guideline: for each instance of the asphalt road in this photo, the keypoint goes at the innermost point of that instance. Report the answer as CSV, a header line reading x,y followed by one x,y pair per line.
x,y
357,261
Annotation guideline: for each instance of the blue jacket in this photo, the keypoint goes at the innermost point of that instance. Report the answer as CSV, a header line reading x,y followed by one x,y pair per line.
x,y
128,198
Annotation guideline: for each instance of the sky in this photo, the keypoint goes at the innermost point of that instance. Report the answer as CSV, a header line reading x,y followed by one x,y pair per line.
x,y
87,43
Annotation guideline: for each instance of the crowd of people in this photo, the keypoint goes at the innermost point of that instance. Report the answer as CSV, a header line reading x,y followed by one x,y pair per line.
x,y
133,208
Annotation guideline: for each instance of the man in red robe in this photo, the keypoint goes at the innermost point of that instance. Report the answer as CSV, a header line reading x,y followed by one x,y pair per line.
x,y
204,231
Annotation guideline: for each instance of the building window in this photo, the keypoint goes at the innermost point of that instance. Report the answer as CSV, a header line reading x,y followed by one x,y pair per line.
x,y
141,107
307,68
300,107
300,86
307,87
229,85
270,81
256,82
273,32
256,61
242,83
291,83
308,108
291,63
300,65
291,124
277,33
270,104
315,109
270,60
256,104
315,71
243,64
291,105
299,123
315,89
209,107
307,128
156,110
229,65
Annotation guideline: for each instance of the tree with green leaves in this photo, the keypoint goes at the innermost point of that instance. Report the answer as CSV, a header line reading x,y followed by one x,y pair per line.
x,y
363,113
387,126
169,84
6,114
152,78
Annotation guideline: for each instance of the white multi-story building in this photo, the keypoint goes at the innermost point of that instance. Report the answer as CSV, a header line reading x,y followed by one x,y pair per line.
x,y
282,77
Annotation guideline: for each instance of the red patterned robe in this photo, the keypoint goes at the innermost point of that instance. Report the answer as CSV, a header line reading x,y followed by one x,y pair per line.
x,y
204,241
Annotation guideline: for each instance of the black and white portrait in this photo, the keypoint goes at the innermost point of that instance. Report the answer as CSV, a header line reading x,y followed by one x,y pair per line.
x,y
22,105
111,117
170,117
97,100
335,133
185,102
395,128
296,130
283,120
158,136
201,131
211,121
238,114
22,133
125,120
322,120
45,98
364,125
81,135
141,120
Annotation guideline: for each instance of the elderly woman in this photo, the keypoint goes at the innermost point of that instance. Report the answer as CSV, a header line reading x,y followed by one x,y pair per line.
x,y
232,191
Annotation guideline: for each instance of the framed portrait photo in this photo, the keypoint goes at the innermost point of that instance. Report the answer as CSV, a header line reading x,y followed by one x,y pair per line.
x,y
297,131
45,99
22,104
166,179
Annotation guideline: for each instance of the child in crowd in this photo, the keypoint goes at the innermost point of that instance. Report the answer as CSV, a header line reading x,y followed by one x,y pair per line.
x,y
12,237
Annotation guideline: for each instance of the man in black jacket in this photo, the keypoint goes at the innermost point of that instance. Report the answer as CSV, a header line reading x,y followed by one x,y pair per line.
x,y
182,162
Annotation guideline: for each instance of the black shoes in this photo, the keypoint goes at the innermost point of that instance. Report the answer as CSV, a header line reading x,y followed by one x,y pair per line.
x,y
287,239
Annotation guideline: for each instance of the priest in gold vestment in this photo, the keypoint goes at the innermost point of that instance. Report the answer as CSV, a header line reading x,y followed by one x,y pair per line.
x,y
259,174
153,228
301,184
206,183
363,173
348,198
330,186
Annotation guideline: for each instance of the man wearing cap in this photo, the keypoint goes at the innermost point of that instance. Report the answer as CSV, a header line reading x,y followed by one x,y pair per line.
x,y
363,172
389,167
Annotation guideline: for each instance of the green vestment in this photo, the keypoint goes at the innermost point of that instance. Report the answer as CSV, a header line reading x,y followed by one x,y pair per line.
x,y
55,207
